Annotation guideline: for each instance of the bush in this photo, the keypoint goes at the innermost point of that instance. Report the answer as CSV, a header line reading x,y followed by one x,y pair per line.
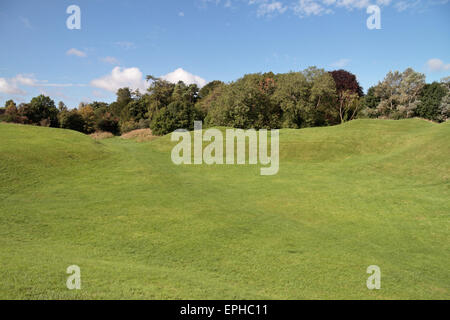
x,y
72,120
128,126
131,125
108,124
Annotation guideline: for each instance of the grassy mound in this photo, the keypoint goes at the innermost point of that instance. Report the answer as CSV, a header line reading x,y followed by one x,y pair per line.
x,y
370,192
140,135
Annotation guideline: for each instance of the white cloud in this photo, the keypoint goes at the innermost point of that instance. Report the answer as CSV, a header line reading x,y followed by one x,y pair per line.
x,y
305,8
341,63
110,60
269,9
181,14
352,4
30,81
437,65
186,77
10,87
121,78
26,80
76,52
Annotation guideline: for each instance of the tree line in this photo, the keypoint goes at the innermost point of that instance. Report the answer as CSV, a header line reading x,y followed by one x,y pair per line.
x,y
312,97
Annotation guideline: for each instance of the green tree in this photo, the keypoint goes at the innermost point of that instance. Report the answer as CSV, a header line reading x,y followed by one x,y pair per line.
x,y
135,110
160,95
177,115
431,97
209,88
204,104
123,99
292,95
371,100
41,108
322,98
246,103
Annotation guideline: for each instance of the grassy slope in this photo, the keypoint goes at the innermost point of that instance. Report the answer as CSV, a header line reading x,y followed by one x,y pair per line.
x,y
367,192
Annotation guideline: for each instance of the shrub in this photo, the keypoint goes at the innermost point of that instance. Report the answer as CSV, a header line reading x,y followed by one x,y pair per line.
x,y
108,123
72,120
131,125
128,126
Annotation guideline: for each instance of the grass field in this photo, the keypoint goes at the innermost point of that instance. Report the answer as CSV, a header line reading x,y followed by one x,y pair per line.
x,y
370,192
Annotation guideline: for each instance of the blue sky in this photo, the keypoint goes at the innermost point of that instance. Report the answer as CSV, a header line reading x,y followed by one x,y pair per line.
x,y
120,42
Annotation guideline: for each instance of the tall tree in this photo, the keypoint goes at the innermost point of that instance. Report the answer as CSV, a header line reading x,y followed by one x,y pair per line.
x,y
399,94
371,100
346,81
41,110
160,92
322,97
348,93
123,98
